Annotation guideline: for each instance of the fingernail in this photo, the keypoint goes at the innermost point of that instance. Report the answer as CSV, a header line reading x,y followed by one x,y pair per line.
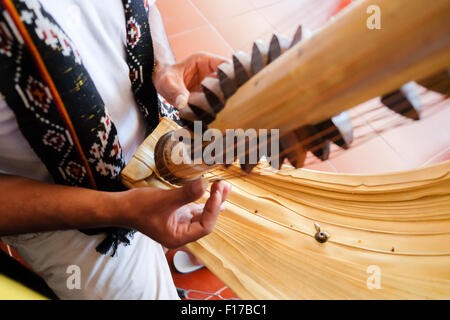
x,y
218,196
181,102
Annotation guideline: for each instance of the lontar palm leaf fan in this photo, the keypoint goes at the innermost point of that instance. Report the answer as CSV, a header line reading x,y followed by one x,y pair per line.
x,y
293,234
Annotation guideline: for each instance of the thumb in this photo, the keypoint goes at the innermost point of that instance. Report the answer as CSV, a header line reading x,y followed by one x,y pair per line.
x,y
181,100
189,193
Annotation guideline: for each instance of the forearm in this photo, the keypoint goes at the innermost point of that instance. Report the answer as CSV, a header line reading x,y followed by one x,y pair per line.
x,y
31,206
163,53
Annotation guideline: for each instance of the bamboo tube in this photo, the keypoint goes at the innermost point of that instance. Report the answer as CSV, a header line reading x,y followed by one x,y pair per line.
x,y
344,65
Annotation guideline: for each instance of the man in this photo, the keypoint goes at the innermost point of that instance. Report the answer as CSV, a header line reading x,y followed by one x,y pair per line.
x,y
34,206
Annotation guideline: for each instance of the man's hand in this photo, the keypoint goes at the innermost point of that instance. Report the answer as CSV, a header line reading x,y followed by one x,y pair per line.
x,y
169,216
174,82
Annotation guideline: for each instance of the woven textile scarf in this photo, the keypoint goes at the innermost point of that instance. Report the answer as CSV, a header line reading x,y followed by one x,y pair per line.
x,y
58,108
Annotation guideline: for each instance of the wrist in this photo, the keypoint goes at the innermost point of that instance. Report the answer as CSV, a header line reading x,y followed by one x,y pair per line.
x,y
114,209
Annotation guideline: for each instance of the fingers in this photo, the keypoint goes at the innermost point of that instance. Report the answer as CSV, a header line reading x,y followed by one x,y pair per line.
x,y
176,82
206,222
214,61
175,91
196,211
170,84
202,218
208,63
189,193
195,208
208,219
198,67
182,100
213,206
226,191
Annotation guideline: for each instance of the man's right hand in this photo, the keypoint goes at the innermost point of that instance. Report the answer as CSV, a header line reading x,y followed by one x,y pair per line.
x,y
169,216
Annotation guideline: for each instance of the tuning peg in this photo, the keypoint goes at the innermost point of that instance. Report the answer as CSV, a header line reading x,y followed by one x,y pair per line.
x,y
404,101
201,108
278,45
338,130
312,139
440,82
276,161
226,79
292,149
298,36
343,130
187,114
191,126
248,152
213,93
247,168
276,156
242,67
260,56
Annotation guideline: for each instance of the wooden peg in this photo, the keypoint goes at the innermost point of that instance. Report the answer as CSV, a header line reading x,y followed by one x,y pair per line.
x,y
242,67
260,56
213,93
344,129
298,36
248,168
292,149
226,79
187,114
190,125
201,108
247,163
280,160
276,156
278,45
311,139
404,101
338,130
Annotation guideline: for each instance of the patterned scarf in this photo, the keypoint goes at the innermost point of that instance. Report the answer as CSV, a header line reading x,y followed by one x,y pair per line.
x,y
58,108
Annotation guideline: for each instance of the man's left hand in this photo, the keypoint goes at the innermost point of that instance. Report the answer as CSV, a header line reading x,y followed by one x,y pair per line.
x,y
175,82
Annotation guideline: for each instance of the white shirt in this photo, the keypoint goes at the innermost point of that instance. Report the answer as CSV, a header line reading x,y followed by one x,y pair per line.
x,y
140,271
